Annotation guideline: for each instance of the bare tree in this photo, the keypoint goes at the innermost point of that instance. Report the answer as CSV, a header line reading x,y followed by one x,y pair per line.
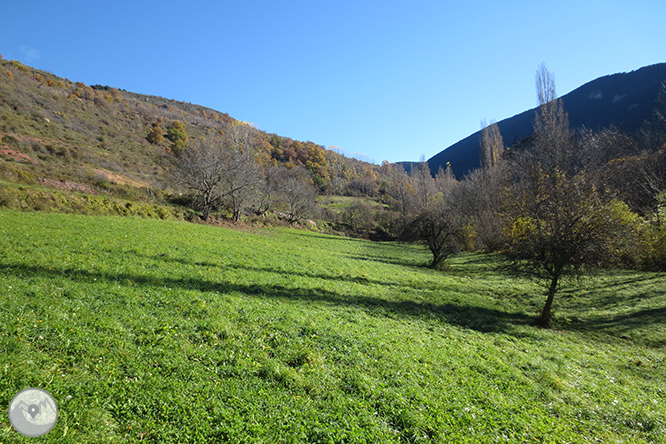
x,y
422,183
201,170
295,189
438,226
241,174
222,172
267,190
359,216
401,188
552,135
339,168
444,178
480,198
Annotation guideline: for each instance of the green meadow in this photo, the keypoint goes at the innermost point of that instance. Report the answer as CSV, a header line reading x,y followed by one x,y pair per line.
x,y
172,332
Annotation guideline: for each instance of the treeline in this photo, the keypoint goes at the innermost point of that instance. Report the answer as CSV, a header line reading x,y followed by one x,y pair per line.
x,y
558,204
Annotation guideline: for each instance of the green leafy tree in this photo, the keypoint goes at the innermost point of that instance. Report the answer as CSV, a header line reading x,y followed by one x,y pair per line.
x,y
178,137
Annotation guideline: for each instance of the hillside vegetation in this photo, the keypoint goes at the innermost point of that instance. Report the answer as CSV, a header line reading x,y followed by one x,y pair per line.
x,y
164,331
101,139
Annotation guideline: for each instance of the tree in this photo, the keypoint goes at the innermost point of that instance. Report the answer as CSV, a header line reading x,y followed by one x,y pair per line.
x,y
267,190
359,216
444,178
201,169
221,172
178,137
156,133
422,183
492,144
437,225
399,188
241,174
296,191
480,198
561,225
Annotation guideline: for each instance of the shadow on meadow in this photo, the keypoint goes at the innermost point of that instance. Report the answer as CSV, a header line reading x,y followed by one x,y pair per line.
x,y
387,260
481,319
301,273
626,325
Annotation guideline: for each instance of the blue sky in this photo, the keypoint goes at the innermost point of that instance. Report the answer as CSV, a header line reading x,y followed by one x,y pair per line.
x,y
387,80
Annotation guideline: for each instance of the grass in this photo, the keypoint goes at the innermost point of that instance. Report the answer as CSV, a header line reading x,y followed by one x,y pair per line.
x,y
164,331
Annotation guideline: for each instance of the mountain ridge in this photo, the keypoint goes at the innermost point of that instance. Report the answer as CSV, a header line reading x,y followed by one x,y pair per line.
x,y
593,105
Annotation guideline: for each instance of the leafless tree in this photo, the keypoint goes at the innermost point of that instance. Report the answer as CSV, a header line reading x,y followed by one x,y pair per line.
x,y
444,178
359,216
267,190
422,183
294,187
222,171
339,170
439,226
201,170
552,136
401,188
480,198
241,174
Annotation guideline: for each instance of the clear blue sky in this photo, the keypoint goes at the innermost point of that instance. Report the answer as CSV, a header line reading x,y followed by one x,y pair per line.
x,y
388,79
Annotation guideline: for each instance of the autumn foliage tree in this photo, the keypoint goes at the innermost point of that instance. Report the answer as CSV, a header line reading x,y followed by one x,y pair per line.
x,y
156,133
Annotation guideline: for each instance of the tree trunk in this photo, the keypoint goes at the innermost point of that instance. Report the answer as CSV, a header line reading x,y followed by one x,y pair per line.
x,y
544,319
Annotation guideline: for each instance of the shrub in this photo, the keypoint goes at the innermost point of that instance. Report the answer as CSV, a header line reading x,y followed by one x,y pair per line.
x,y
8,197
156,134
24,176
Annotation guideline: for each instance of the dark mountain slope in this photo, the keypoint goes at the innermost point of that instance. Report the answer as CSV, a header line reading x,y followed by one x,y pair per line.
x,y
624,100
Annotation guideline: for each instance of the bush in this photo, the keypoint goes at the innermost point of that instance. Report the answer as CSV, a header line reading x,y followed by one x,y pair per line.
x,y
654,248
156,134
24,176
654,237
8,197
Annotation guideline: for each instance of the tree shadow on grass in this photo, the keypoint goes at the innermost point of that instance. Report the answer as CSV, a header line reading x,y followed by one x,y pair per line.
x,y
348,277
388,260
625,325
481,319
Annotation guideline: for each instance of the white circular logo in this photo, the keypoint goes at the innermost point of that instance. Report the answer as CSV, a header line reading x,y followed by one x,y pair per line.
x,y
33,412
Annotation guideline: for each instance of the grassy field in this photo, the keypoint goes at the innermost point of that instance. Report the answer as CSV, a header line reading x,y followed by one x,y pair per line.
x,y
167,331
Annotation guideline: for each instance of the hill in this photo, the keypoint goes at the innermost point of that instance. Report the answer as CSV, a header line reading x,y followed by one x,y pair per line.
x,y
624,101
142,337
95,139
